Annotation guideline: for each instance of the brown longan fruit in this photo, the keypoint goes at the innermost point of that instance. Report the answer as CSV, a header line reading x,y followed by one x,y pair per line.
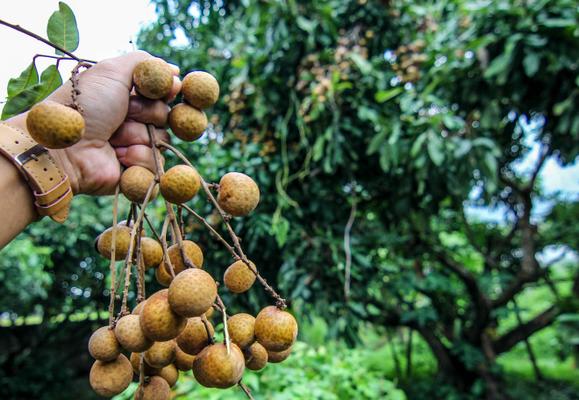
x,y
186,122
152,252
192,292
239,277
161,354
135,182
122,240
108,379
153,78
183,361
213,367
238,194
200,89
130,335
158,321
156,388
170,373
192,251
241,329
255,356
139,307
278,356
54,125
179,184
194,337
136,364
275,329
103,345
162,275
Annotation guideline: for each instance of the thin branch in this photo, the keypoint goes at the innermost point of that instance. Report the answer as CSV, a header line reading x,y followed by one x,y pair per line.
x,y
245,390
225,329
348,250
136,228
211,230
43,40
112,265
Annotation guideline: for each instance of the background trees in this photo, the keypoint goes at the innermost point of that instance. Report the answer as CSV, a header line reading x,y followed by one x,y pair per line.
x,y
375,129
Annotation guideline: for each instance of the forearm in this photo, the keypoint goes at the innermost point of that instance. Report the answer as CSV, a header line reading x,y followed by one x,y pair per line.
x,y
16,202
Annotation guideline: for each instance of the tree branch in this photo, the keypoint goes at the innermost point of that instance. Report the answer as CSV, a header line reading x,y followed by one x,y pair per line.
x,y
523,331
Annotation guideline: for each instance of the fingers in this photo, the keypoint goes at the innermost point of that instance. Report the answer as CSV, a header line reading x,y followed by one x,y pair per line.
x,y
132,132
148,111
137,154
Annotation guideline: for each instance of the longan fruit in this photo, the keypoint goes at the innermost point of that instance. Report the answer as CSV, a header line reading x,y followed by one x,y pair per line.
x,y
160,354
238,194
162,275
194,337
278,356
153,78
152,252
241,329
186,122
103,345
179,184
170,373
130,335
54,125
275,329
108,379
156,388
255,357
183,361
139,307
209,313
135,182
192,251
122,241
192,292
213,367
158,321
239,277
200,89
136,364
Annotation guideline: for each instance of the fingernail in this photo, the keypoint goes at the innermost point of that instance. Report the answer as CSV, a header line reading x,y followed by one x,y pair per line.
x,y
135,106
121,151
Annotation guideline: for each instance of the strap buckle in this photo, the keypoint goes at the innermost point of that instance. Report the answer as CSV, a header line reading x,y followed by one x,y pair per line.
x,y
31,154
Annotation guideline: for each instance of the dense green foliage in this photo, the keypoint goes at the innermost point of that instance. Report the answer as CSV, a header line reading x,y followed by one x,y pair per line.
x,y
398,117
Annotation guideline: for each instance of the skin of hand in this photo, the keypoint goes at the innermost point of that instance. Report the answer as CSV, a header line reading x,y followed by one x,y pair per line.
x,y
115,120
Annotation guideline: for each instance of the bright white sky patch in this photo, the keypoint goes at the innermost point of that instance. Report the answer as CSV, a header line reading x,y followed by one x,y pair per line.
x,y
106,29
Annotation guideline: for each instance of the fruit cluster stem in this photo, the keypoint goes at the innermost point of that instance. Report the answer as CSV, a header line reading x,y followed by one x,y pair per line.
x,y
112,265
237,251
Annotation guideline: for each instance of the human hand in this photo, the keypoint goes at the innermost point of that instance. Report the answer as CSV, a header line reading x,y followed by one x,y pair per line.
x,y
115,122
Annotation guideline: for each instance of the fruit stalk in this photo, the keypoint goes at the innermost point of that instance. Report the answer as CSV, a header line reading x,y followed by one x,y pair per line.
x,y
239,255
112,266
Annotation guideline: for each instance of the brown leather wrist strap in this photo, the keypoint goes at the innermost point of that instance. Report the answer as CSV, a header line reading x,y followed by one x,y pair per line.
x,y
50,186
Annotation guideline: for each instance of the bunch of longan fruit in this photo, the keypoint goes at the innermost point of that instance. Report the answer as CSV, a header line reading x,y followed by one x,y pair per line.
x,y
170,330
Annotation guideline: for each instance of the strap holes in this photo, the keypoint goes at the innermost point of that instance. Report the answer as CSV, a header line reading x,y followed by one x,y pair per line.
x,y
51,179
44,169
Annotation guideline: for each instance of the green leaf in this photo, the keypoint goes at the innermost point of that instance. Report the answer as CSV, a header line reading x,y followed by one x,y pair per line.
x,y
417,145
28,77
384,95
435,149
531,64
306,24
561,107
21,102
363,65
50,80
62,29
376,142
463,148
452,122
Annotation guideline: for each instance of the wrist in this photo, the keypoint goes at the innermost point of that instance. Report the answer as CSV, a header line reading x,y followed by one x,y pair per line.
x,y
60,156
